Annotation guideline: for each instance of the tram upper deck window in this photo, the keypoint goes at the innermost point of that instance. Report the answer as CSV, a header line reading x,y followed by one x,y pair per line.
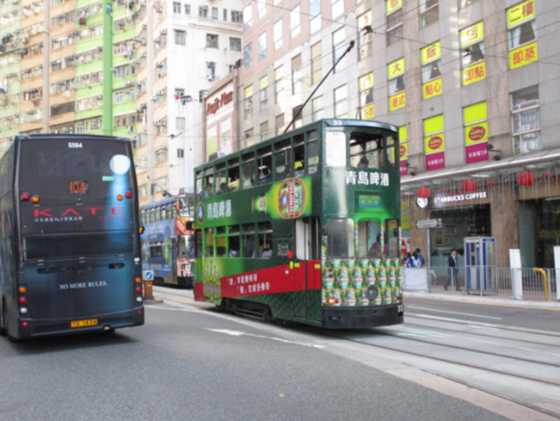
x,y
221,174
340,234
209,182
249,240
282,152
312,152
366,150
299,156
233,175
335,149
198,186
264,165
248,170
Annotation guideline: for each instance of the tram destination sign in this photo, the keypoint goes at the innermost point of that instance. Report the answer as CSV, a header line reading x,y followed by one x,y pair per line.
x,y
427,223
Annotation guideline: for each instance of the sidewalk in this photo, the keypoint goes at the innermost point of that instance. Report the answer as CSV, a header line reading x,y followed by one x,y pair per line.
x,y
488,300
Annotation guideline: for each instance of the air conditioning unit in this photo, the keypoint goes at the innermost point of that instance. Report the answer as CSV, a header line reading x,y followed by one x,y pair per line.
x,y
163,32
159,64
128,82
156,40
211,77
130,129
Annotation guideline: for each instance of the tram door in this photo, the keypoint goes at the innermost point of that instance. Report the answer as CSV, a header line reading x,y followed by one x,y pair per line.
x,y
307,268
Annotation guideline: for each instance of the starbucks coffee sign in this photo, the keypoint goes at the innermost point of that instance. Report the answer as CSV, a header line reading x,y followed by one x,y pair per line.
x,y
461,197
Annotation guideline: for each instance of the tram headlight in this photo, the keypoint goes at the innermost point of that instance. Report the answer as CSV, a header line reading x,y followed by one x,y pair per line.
x,y
23,310
139,299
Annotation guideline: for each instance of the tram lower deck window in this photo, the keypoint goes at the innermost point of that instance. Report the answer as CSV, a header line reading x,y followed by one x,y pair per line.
x,y
340,243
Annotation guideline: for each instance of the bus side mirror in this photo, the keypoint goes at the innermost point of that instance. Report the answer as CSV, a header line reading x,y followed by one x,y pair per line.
x,y
189,225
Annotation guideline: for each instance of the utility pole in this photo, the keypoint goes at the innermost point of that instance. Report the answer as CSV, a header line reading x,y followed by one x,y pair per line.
x,y
46,65
150,94
107,69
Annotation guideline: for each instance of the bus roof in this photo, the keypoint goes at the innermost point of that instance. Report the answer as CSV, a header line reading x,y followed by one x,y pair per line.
x,y
316,124
69,137
161,202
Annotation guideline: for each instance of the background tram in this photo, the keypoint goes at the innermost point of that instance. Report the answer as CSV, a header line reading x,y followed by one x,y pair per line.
x,y
304,227
168,240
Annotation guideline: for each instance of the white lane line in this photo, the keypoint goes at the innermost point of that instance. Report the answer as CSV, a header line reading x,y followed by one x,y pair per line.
x,y
448,319
421,331
454,312
272,338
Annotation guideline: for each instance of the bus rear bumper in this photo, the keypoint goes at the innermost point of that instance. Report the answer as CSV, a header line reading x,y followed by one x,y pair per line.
x,y
106,322
362,317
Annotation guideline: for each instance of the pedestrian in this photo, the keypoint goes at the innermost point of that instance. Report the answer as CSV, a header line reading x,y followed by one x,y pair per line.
x,y
420,257
413,261
453,270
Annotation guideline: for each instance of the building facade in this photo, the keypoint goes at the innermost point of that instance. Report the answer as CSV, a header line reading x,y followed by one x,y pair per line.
x,y
472,84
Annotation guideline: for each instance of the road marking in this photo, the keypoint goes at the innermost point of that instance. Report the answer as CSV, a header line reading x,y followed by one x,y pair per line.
x,y
239,333
448,319
409,331
454,312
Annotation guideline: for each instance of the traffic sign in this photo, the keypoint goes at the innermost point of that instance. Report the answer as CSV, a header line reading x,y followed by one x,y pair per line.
x,y
148,275
427,223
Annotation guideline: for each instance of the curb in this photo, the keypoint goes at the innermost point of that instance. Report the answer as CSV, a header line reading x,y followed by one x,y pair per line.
x,y
481,300
152,300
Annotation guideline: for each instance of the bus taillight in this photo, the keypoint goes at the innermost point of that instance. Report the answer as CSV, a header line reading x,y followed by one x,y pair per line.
x,y
25,197
22,300
22,290
24,324
138,280
35,199
139,289
128,195
120,197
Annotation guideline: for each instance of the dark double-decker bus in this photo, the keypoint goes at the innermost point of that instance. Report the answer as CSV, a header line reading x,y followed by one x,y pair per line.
x,y
304,227
70,241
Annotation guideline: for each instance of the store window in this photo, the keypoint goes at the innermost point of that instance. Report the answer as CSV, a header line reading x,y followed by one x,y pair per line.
x,y
396,85
429,12
522,34
526,120
472,54
431,71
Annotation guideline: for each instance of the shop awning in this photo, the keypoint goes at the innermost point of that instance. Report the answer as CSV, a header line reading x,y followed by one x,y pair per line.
x,y
540,159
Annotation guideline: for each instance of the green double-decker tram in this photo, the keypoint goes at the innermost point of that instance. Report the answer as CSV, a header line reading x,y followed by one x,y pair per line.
x,y
304,227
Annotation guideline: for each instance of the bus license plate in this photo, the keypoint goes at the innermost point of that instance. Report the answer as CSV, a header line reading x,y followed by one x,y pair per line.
x,y
83,323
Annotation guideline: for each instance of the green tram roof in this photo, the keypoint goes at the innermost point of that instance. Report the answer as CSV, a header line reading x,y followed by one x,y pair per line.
x,y
328,122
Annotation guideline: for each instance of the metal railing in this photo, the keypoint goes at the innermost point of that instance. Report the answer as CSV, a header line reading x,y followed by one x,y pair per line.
x,y
534,283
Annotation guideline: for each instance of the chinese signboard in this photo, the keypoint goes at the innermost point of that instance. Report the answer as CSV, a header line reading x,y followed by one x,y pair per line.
x,y
434,87
520,13
396,68
431,52
477,153
367,179
403,149
368,112
474,73
523,55
472,34
220,120
397,101
366,82
434,143
435,161
476,132
393,5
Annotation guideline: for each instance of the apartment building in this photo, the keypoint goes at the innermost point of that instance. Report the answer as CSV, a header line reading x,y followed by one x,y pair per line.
x,y
472,84
194,44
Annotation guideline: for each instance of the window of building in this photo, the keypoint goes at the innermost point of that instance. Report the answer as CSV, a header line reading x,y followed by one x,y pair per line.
x,y
297,75
125,120
161,155
180,37
211,41
235,44
278,84
522,34
396,84
58,109
248,102
248,16
472,54
214,13
277,33
261,8
314,15
317,108
263,85
337,9
187,9
341,101
279,121
465,3
364,37
297,111
236,16
431,70
211,70
339,47
366,96
295,22
262,46
203,11
434,143
123,95
248,56
225,15
526,120
476,132
429,12
249,137
176,7
264,131
394,23
316,63
180,123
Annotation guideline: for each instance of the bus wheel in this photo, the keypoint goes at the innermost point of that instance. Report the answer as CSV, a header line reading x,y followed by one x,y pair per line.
x,y
3,330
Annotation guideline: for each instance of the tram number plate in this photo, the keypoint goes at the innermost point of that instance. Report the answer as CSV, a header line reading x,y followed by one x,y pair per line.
x,y
400,308
83,323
